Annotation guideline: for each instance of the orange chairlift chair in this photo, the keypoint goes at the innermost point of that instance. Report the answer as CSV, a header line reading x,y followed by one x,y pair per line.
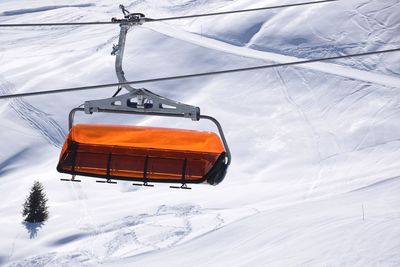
x,y
143,154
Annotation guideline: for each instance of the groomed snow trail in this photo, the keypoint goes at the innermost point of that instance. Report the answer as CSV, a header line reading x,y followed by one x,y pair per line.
x,y
330,68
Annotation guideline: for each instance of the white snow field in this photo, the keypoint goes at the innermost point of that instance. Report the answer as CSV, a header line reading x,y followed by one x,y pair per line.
x,y
315,176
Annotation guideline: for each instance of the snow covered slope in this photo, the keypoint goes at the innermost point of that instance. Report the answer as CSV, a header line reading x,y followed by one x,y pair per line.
x,y
314,179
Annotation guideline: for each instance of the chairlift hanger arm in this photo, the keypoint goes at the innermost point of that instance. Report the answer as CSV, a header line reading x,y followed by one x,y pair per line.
x,y
139,100
118,50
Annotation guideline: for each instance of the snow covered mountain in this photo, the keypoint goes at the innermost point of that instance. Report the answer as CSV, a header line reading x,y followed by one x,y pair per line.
x,y
315,176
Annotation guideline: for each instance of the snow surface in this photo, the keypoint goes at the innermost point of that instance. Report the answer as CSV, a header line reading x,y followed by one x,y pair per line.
x,y
314,179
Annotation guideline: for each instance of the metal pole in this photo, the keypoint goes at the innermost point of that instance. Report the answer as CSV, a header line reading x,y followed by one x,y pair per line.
x,y
119,52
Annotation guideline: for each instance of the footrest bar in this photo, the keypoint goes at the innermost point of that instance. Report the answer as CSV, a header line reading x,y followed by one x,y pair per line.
x,y
106,182
144,184
181,187
70,180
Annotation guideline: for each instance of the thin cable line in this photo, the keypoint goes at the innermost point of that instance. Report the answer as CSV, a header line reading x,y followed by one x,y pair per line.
x,y
57,24
243,10
196,74
163,19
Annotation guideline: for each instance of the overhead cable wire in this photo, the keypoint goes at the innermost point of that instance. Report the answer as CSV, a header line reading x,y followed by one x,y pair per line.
x,y
243,10
163,19
187,76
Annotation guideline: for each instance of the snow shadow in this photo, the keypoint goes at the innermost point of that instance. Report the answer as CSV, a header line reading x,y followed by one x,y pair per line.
x,y
40,9
6,165
69,239
33,228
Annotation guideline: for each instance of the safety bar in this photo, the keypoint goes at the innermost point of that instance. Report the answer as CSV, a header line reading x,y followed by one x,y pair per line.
x,y
205,117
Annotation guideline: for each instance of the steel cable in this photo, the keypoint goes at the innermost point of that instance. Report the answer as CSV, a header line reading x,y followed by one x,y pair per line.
x,y
197,74
162,19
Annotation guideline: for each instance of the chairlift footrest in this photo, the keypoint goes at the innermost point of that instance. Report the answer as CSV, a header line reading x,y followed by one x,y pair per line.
x,y
70,180
145,184
180,187
105,182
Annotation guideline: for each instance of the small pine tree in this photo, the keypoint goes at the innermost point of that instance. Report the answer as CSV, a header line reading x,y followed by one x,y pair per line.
x,y
35,209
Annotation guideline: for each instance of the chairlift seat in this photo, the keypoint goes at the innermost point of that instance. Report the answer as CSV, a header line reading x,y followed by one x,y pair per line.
x,y
146,154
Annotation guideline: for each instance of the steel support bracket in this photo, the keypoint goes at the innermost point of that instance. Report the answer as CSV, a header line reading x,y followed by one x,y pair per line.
x,y
142,101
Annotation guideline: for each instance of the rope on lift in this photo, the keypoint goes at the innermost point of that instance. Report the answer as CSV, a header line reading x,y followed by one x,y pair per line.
x,y
82,88
163,19
242,11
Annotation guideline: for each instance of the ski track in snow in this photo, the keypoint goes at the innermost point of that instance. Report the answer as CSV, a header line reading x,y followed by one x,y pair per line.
x,y
307,126
329,108
374,121
38,120
330,68
40,9
6,165
130,236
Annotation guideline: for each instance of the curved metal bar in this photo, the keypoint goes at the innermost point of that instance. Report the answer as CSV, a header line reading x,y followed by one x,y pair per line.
x,y
72,116
221,133
119,52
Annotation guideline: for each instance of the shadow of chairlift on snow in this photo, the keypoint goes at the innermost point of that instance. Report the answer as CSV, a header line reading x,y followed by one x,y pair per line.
x,y
33,228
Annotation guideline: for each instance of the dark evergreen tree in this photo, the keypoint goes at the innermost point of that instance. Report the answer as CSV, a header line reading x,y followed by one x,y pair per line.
x,y
35,208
